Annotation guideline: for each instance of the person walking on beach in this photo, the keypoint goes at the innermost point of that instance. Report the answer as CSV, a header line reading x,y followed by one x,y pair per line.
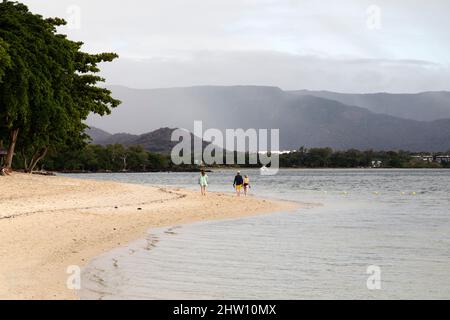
x,y
238,183
203,182
246,184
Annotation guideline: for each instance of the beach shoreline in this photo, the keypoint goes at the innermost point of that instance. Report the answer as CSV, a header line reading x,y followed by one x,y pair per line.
x,y
48,223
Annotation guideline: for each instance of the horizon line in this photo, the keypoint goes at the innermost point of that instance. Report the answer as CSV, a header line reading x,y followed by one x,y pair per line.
x,y
274,87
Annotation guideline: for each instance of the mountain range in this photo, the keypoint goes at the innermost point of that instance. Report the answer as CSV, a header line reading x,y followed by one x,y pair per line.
x,y
155,141
424,106
415,122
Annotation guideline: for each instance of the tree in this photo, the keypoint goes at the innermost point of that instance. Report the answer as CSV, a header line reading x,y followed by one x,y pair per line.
x,y
157,161
318,157
137,158
5,60
50,88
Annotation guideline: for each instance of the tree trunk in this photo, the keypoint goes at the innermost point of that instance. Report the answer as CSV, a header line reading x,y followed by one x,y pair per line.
x,y
124,158
12,146
1,158
38,156
25,160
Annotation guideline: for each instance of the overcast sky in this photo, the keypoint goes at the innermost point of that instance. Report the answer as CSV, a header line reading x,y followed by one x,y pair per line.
x,y
347,45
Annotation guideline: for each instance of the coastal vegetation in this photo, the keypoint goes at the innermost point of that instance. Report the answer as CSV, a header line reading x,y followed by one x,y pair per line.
x,y
48,87
119,158
329,158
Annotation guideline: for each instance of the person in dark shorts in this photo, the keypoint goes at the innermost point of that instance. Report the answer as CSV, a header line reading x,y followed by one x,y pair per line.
x,y
238,183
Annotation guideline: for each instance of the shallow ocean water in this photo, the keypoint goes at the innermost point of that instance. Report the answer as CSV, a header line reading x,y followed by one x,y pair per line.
x,y
396,220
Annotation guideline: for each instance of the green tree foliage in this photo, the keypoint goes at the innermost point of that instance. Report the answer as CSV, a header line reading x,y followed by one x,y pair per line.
x,y
96,158
327,158
5,63
50,87
5,60
118,158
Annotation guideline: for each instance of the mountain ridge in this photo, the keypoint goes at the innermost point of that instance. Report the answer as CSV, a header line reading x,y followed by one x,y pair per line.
x,y
158,141
422,106
303,119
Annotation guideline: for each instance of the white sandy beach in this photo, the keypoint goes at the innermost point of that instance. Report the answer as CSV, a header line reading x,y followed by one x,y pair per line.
x,y
49,223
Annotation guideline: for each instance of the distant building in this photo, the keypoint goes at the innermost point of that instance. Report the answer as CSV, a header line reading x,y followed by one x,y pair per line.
x,y
277,152
430,158
443,159
426,158
377,164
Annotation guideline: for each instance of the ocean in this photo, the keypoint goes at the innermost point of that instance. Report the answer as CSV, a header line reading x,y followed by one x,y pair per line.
x,y
377,234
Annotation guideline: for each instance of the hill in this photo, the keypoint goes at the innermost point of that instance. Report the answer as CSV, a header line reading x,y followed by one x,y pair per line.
x,y
425,106
156,141
303,120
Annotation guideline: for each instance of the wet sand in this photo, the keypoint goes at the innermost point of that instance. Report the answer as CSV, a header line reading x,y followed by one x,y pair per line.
x,y
50,223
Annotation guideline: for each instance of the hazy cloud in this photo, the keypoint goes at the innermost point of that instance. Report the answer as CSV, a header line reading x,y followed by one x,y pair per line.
x,y
287,71
292,44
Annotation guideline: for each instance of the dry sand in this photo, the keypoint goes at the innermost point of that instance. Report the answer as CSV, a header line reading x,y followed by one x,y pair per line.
x,y
50,223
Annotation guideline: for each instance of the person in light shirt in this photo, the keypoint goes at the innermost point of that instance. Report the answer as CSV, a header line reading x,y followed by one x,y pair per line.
x,y
203,182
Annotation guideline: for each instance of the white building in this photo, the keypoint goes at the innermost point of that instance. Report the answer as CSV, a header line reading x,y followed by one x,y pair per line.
x,y
427,158
443,159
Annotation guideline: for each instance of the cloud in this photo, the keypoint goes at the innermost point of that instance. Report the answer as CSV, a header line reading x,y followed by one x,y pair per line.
x,y
288,43
288,71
